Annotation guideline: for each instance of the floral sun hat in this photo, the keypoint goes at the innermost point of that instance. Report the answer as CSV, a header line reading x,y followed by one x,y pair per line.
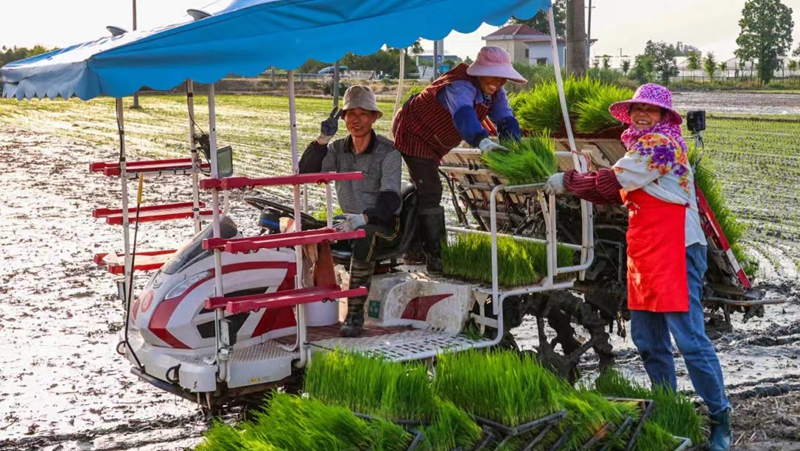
x,y
651,94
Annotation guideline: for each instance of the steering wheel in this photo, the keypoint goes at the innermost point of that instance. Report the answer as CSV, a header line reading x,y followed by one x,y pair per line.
x,y
308,221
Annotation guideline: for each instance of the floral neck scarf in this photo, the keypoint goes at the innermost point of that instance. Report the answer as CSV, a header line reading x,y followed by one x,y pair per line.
x,y
632,134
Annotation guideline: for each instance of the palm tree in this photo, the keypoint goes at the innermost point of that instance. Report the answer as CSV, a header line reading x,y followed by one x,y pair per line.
x,y
723,68
693,61
710,65
625,66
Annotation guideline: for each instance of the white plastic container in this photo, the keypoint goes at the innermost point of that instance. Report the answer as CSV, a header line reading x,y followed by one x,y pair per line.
x,y
322,313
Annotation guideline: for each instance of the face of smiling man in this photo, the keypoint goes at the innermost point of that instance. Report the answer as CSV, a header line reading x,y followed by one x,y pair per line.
x,y
644,115
359,122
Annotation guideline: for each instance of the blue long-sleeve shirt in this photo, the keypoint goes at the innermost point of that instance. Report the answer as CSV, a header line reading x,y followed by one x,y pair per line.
x,y
460,97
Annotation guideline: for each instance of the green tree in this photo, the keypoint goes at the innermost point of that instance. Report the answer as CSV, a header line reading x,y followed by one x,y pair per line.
x,y
386,61
312,66
766,34
539,21
693,61
723,68
792,66
625,66
643,69
416,48
606,61
710,65
663,60
796,51
468,60
596,62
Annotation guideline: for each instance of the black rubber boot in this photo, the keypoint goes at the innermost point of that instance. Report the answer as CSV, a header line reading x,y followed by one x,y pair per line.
x,y
360,276
721,435
432,232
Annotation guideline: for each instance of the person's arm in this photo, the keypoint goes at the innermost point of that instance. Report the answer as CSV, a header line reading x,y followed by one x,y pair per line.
x,y
389,201
458,98
598,187
312,158
503,117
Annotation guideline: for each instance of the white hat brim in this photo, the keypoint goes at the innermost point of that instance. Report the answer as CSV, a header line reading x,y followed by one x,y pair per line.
x,y
507,72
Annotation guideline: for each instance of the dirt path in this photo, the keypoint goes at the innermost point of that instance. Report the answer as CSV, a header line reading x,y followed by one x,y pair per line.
x,y
63,387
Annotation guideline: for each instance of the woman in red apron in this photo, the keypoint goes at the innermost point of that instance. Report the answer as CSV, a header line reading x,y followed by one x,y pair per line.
x,y
666,247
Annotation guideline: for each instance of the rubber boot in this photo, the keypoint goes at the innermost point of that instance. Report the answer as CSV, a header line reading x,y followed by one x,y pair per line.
x,y
360,276
414,254
432,232
721,435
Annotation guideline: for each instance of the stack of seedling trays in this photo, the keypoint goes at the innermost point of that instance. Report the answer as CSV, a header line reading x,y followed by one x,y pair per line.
x,y
470,401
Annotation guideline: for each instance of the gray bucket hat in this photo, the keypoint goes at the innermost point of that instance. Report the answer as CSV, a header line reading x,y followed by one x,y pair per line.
x,y
360,97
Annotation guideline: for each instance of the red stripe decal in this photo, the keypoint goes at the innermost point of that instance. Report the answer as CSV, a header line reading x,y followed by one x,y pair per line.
x,y
417,308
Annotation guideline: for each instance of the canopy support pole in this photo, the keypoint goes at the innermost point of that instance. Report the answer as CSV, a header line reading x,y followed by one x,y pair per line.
x,y
298,223
195,162
399,96
123,179
220,324
587,215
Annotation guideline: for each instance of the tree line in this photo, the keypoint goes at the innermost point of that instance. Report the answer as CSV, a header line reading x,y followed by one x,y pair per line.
x,y
11,54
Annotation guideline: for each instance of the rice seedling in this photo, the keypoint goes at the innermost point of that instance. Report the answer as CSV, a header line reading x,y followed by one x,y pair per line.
x,y
588,413
509,389
321,213
221,437
291,422
733,229
531,160
519,262
374,386
655,438
593,115
451,429
673,412
540,109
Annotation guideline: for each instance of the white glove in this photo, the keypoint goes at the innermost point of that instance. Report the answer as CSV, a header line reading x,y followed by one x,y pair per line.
x,y
487,145
555,184
350,223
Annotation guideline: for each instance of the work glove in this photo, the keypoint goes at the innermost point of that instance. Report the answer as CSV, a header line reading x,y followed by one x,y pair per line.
x,y
487,145
350,223
555,184
329,126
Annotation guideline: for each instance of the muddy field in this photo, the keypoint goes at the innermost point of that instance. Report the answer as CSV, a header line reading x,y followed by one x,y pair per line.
x,y
751,103
63,387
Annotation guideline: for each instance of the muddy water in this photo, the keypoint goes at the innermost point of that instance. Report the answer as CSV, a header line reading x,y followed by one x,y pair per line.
x,y
751,103
62,386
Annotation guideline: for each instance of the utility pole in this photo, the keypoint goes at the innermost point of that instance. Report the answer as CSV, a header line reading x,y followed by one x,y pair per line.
x,y
576,37
135,94
589,37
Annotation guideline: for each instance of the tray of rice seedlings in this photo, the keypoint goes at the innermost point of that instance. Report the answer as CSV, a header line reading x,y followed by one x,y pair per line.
x,y
593,420
290,422
530,160
734,230
674,412
469,256
508,393
654,438
401,393
540,109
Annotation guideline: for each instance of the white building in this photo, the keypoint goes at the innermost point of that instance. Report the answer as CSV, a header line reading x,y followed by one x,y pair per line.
x,y
526,45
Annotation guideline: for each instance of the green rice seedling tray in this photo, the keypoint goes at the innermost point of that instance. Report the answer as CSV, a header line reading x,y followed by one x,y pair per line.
x,y
488,438
544,425
647,405
409,425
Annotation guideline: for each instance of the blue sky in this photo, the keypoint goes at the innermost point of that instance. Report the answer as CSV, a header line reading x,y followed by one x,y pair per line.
x,y
619,25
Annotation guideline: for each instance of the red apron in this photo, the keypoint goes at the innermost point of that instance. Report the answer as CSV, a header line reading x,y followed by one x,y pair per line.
x,y
657,278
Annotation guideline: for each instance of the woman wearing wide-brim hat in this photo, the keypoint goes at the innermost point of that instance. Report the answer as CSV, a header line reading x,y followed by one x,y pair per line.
x,y
448,111
666,247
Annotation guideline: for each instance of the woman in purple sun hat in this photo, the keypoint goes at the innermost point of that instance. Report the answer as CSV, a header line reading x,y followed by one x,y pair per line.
x,y
666,247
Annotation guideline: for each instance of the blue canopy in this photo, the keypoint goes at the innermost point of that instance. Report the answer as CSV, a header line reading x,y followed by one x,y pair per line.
x,y
245,37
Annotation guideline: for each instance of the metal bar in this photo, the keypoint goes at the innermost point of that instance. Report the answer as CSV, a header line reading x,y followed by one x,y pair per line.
x,y
559,82
298,226
126,227
403,55
576,247
329,204
195,160
493,228
219,315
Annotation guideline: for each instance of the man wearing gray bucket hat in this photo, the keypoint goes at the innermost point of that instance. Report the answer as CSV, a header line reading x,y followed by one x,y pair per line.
x,y
372,203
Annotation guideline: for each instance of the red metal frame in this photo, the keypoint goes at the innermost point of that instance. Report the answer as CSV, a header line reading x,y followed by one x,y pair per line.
x,y
132,167
281,298
299,179
151,213
145,261
274,241
714,232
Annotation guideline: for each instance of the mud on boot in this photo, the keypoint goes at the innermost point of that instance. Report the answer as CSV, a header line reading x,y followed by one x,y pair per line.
x,y
721,436
353,324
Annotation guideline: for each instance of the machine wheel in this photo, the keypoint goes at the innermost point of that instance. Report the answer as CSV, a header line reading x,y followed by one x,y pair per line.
x,y
259,203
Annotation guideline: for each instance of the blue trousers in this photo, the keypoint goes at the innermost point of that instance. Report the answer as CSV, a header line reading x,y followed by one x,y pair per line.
x,y
651,335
